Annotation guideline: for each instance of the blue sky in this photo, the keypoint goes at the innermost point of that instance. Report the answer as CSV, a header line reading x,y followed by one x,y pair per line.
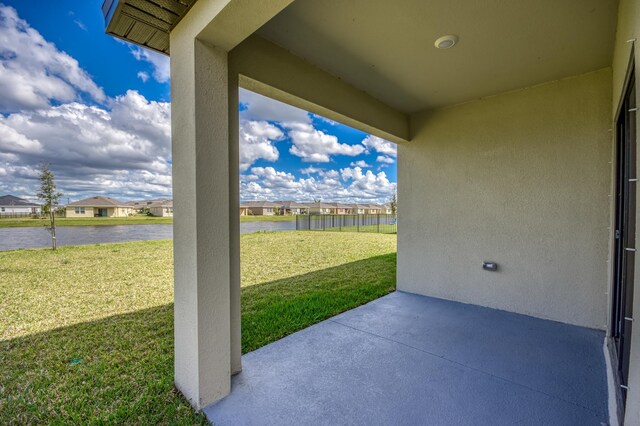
x,y
97,109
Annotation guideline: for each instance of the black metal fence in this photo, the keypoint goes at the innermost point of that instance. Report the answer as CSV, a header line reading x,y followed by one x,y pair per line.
x,y
376,223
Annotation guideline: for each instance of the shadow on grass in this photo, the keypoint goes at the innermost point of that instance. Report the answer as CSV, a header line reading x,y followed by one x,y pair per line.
x,y
115,370
120,369
275,309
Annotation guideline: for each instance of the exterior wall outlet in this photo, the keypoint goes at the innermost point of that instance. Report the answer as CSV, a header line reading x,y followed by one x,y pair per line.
x,y
490,266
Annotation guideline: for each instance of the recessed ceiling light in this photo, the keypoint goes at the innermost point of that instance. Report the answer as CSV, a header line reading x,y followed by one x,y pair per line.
x,y
446,42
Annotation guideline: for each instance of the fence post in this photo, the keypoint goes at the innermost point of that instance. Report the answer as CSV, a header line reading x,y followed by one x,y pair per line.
x,y
378,223
358,222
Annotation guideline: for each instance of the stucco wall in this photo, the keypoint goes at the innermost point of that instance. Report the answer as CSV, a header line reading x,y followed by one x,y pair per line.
x,y
260,211
120,212
89,212
71,212
521,179
161,211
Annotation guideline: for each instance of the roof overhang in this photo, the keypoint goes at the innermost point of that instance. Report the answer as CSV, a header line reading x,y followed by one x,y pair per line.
x,y
144,22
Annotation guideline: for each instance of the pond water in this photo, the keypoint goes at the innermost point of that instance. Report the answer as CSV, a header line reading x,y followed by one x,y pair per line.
x,y
35,237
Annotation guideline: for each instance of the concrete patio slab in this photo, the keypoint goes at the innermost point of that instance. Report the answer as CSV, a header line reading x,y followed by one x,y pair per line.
x,y
408,360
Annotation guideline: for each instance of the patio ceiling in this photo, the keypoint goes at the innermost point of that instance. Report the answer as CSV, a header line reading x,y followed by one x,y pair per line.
x,y
387,48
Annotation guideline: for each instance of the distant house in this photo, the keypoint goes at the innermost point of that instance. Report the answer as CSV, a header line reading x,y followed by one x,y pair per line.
x,y
136,206
141,205
321,208
359,208
12,205
266,208
258,208
161,209
375,209
99,207
342,208
292,208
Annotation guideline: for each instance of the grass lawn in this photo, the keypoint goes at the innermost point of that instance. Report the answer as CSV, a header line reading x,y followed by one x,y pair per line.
x,y
92,221
132,220
86,333
266,218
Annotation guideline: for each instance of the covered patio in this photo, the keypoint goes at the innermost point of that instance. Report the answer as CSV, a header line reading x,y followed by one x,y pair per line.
x,y
516,130
406,359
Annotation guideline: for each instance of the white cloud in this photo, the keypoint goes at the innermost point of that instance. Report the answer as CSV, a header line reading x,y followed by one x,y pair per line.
x,y
313,145
124,151
144,76
385,159
13,142
80,24
121,146
33,72
380,145
257,140
311,170
360,163
325,119
309,143
159,62
374,185
266,183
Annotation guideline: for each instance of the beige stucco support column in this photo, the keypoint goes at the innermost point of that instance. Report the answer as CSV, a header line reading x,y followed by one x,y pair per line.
x,y
206,241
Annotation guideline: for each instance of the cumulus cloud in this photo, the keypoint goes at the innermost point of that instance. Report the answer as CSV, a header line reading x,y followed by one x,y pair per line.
x,y
311,170
144,76
159,62
33,72
267,183
385,159
13,142
313,145
125,150
308,143
372,184
325,120
52,111
257,139
380,145
360,163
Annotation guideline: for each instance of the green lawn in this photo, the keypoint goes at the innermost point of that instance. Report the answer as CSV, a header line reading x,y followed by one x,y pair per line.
x,y
86,333
140,219
132,220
